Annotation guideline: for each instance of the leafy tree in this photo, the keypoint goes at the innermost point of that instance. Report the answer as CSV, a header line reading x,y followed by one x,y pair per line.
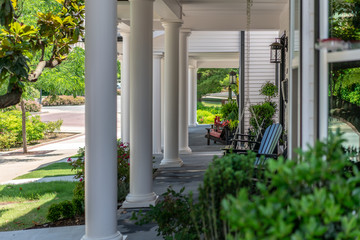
x,y
67,78
212,80
48,42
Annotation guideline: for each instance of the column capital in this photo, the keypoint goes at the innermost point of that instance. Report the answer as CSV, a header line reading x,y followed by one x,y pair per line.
x,y
158,55
185,31
141,0
171,22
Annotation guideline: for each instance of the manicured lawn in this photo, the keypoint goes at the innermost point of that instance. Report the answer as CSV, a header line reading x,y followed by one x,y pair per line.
x,y
22,206
52,170
211,103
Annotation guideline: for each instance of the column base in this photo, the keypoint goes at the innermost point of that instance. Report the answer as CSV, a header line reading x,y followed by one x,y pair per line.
x,y
157,152
140,201
116,236
173,162
185,150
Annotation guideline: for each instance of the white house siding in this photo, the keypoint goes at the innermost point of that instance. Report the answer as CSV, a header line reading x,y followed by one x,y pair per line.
x,y
258,69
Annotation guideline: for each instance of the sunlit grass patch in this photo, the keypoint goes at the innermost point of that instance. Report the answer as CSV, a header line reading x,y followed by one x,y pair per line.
x,y
22,206
52,170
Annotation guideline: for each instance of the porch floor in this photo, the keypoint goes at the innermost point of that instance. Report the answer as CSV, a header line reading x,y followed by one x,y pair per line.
x,y
190,175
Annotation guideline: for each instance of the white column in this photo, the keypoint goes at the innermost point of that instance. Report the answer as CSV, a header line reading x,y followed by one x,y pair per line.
x,y
125,88
171,95
100,122
162,101
192,96
141,181
183,93
157,104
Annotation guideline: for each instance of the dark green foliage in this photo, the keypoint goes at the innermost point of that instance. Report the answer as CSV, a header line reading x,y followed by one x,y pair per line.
x,y
211,80
314,197
54,213
67,209
230,111
269,90
60,210
345,19
79,207
172,216
178,217
264,113
224,176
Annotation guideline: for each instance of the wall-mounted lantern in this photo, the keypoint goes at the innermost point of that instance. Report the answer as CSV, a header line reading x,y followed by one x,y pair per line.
x,y
275,51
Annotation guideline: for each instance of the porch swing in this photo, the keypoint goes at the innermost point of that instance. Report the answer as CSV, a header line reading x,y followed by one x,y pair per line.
x,y
262,142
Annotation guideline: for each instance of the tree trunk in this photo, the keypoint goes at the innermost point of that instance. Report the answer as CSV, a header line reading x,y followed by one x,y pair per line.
x,y
23,114
11,98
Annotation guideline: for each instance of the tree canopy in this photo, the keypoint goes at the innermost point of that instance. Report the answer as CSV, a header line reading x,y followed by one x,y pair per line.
x,y
45,38
212,80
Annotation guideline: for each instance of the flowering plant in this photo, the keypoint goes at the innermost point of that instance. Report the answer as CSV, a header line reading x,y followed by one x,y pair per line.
x,y
123,156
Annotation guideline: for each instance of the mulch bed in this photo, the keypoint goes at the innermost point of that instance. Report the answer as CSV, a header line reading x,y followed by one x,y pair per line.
x,y
78,220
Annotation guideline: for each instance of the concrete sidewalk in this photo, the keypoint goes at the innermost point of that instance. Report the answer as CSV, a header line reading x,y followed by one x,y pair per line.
x,y
190,175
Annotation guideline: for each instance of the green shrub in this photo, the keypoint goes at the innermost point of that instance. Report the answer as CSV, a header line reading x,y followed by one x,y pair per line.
x,y
54,212
264,113
7,140
314,197
224,176
178,217
51,127
60,210
205,117
11,127
230,111
172,216
63,100
67,209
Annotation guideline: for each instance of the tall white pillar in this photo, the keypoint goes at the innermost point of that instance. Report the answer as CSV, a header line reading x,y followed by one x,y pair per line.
x,y
183,93
193,96
171,95
162,101
125,88
141,181
157,104
100,121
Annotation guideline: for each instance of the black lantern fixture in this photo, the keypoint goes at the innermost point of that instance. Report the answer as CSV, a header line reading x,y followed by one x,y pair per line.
x,y
275,51
232,77
232,80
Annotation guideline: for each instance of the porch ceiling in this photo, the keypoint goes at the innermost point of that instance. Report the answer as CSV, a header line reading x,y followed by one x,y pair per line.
x,y
215,15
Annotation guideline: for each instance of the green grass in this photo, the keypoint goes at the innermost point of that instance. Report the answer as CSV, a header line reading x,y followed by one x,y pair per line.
x,y
22,206
52,170
211,104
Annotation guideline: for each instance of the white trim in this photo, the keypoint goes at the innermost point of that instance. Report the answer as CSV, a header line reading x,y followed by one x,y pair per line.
x,y
344,56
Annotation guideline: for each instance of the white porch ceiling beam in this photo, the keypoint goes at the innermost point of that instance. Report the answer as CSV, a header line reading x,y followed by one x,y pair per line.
x,y
163,9
168,9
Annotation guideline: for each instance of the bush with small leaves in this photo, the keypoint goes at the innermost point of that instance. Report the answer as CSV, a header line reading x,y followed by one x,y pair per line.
x,y
54,212
314,197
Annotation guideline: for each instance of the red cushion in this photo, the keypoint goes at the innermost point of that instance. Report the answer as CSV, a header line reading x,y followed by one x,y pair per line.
x,y
215,134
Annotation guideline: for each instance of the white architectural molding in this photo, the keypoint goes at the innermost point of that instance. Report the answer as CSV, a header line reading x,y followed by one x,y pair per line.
x,y
171,95
141,181
184,93
100,122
